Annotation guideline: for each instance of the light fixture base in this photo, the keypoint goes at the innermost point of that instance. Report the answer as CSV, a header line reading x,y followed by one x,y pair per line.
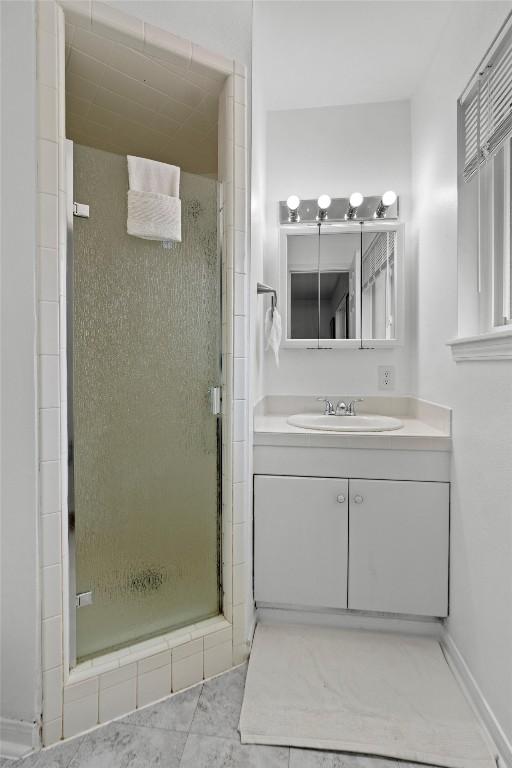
x,y
309,213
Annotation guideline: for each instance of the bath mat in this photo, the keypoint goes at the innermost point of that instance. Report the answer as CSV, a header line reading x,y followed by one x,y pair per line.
x,y
373,693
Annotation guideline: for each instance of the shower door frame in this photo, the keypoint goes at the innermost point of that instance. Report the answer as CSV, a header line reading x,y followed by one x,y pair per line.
x,y
72,607
73,597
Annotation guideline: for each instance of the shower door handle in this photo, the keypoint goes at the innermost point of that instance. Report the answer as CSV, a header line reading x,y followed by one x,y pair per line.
x,y
81,210
216,400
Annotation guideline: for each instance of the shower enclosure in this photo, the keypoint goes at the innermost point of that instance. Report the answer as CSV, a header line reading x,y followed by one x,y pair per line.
x,y
144,351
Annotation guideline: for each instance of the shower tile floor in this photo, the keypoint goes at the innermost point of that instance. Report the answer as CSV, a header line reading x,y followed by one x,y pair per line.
x,y
194,729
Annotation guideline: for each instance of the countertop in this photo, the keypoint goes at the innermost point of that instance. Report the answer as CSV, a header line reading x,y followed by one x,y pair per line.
x,y
271,428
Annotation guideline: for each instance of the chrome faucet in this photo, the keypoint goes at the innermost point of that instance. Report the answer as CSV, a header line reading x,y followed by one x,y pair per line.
x,y
341,408
347,409
329,409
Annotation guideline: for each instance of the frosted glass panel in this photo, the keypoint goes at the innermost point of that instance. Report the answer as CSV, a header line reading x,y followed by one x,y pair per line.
x,y
146,349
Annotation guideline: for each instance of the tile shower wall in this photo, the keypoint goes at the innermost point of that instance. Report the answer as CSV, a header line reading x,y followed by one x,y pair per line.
x,y
110,686
236,542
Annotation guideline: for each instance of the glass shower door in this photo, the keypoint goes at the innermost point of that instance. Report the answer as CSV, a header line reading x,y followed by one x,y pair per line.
x,y
145,351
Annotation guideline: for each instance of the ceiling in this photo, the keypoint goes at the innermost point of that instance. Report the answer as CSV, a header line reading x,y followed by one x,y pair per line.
x,y
317,54
121,100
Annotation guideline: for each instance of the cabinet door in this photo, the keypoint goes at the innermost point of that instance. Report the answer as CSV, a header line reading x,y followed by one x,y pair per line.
x,y
399,533
300,541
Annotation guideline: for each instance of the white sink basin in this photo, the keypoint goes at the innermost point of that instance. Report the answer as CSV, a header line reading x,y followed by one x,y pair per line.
x,y
366,423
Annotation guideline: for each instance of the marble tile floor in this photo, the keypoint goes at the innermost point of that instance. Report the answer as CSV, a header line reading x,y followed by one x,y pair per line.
x,y
194,729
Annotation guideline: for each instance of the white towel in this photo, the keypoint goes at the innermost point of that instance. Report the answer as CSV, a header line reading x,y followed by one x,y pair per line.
x,y
154,206
151,176
273,332
153,216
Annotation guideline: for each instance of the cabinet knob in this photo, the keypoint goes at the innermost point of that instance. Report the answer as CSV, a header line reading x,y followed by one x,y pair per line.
x,y
340,499
358,499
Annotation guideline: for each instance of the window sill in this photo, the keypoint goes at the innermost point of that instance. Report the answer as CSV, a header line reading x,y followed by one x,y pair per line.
x,y
496,345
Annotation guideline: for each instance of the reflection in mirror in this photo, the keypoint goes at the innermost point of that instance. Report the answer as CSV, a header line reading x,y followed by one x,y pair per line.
x,y
303,305
339,270
334,305
378,285
323,285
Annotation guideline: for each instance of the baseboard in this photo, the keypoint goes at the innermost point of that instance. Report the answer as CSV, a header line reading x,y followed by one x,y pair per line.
x,y
17,737
482,709
352,620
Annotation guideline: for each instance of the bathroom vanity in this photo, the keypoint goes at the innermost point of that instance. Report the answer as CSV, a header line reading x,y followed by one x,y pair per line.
x,y
356,521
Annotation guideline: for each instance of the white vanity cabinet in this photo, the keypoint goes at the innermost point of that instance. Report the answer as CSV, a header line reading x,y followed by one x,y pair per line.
x,y
301,541
398,544
386,539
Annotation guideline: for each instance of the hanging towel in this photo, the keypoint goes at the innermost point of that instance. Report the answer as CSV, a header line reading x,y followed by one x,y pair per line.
x,y
154,206
273,332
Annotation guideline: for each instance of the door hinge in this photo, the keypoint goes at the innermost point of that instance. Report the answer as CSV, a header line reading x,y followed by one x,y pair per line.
x,y
83,599
81,210
216,400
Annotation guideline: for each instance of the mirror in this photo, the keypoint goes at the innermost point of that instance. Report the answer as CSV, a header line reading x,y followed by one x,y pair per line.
x,y
378,311
322,285
340,284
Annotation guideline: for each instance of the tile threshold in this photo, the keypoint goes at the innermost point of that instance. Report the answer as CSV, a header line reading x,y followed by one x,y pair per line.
x,y
122,718
146,648
155,703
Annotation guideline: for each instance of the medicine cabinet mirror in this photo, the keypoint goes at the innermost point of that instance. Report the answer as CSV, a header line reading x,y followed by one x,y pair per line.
x,y
339,285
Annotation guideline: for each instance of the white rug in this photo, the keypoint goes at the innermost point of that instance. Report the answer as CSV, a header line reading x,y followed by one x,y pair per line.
x,y
358,691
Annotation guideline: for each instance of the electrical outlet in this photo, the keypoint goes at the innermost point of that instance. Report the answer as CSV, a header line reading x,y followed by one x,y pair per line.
x,y
386,375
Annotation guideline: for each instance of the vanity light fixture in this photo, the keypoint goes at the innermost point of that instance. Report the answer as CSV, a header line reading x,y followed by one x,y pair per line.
x,y
387,199
293,203
324,202
356,199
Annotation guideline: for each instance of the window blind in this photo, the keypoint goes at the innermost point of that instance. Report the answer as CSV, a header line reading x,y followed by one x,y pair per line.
x,y
499,96
471,138
487,109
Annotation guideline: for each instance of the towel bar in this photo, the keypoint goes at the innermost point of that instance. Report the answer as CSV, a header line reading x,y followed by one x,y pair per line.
x,y
262,288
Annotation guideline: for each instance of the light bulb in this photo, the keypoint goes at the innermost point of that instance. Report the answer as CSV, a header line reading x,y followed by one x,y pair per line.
x,y
388,198
293,202
356,199
324,202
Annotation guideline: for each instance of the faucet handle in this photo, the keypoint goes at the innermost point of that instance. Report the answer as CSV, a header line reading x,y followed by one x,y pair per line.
x,y
328,406
351,407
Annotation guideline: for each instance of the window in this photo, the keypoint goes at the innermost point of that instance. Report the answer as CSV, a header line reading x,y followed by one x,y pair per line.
x,y
485,199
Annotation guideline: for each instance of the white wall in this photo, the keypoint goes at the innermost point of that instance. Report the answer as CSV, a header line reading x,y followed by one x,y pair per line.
x,y
337,150
480,393
20,648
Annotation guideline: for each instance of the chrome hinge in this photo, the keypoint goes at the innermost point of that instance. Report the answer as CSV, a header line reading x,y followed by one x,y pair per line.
x,y
83,599
81,210
216,400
